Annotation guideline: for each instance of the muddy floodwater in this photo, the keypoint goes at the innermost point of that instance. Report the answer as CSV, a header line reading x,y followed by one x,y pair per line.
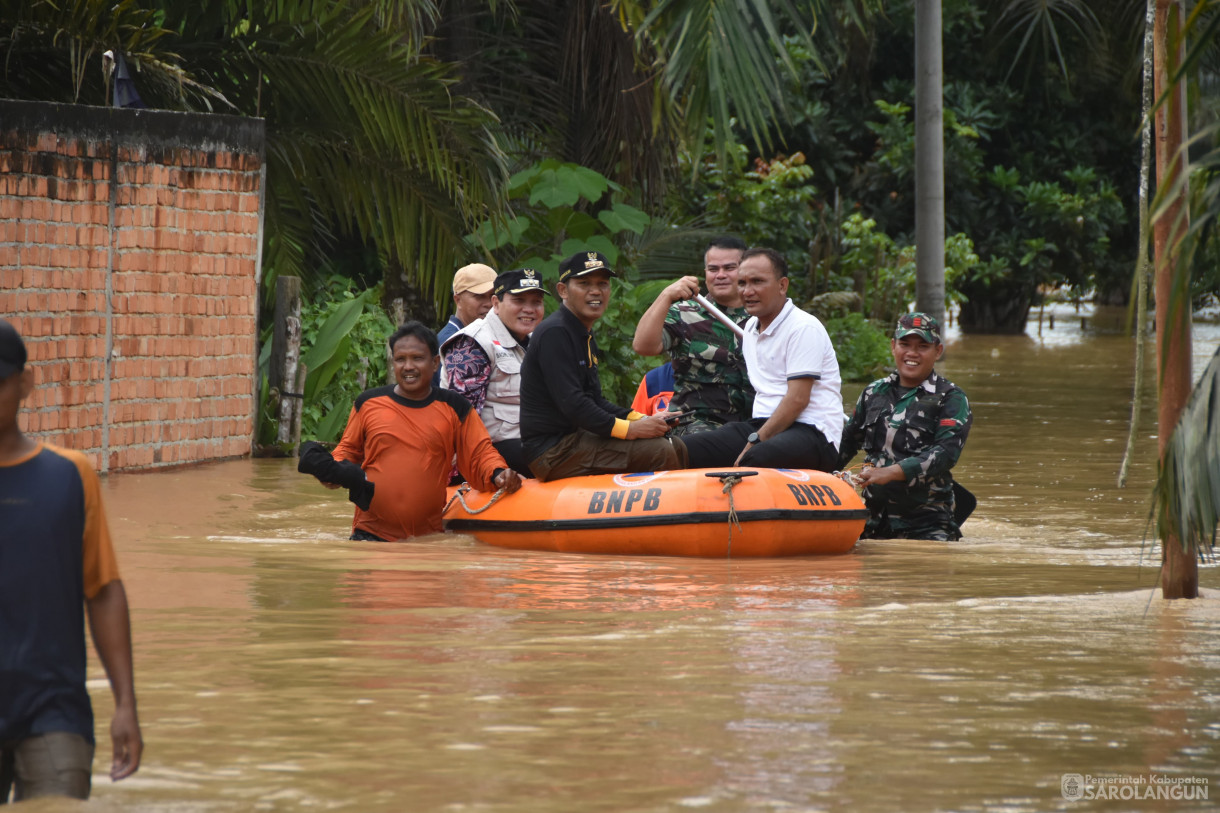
x,y
280,667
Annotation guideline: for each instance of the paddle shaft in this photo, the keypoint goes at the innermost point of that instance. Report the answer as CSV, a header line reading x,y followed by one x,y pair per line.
x,y
720,317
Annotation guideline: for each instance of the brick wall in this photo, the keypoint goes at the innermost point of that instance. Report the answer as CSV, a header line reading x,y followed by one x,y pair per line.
x,y
129,260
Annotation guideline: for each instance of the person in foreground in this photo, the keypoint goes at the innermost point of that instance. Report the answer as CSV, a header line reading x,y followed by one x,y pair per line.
x,y
482,361
798,409
912,426
567,427
405,438
710,380
55,553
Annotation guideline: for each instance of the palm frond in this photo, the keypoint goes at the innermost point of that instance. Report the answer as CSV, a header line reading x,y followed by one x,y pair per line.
x,y
718,58
1038,23
382,143
52,51
1187,491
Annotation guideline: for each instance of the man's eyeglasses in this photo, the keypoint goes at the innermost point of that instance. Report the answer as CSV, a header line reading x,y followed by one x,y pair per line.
x,y
712,269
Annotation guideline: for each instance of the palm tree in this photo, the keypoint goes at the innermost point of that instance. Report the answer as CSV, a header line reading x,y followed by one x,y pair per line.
x,y
1187,492
622,86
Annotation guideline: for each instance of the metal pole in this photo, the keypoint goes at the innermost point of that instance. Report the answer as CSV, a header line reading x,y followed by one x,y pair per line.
x,y
929,162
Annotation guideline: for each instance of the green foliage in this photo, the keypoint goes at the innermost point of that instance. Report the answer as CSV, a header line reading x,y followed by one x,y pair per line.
x,y
882,272
1060,237
621,368
1067,127
340,330
767,203
706,54
559,209
862,348
343,345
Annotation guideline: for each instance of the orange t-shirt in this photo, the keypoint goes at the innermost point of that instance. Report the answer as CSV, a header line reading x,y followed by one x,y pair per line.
x,y
406,449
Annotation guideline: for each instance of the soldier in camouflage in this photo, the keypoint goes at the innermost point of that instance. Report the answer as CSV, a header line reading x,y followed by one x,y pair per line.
x,y
912,426
711,386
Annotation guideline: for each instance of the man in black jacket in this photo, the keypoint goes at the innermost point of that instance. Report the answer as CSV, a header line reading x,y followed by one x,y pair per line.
x,y
568,428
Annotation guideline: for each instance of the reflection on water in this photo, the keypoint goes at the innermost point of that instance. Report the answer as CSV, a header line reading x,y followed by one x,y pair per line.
x,y
281,667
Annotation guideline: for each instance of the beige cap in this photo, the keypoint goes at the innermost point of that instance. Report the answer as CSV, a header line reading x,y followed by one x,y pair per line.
x,y
476,278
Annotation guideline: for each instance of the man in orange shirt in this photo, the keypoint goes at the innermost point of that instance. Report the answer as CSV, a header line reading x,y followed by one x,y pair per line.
x,y
55,552
405,438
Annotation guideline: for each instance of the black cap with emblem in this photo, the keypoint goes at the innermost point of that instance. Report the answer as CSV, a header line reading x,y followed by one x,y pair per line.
x,y
584,262
518,282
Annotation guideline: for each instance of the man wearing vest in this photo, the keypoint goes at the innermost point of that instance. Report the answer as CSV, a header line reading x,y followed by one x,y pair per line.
x,y
482,361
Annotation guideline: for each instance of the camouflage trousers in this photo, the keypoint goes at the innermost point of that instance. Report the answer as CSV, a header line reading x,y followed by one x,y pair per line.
x,y
695,426
928,520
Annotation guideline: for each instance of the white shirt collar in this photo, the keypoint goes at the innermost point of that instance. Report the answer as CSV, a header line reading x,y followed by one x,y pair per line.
x,y
777,321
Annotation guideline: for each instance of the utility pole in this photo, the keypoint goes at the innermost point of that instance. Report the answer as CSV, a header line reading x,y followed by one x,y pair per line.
x,y
929,161
1180,568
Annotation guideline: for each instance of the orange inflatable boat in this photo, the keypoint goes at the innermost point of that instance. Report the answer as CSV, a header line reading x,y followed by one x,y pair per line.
x,y
696,512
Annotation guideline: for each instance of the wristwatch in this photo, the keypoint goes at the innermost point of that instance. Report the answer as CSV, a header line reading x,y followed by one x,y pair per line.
x,y
753,438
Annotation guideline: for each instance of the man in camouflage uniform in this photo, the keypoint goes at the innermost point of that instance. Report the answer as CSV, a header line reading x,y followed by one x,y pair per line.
x,y
912,426
710,382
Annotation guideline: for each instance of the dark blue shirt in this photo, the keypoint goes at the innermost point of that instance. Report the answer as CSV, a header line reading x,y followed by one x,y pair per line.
x,y
42,624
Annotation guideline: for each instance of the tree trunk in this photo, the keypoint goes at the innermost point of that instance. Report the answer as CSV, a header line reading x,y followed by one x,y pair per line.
x,y
415,303
1002,311
1180,571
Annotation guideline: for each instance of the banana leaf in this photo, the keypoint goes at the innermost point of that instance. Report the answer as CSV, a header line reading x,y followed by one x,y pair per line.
x,y
330,349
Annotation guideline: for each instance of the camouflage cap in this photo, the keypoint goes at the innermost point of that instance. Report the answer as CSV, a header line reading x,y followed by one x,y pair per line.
x,y
920,324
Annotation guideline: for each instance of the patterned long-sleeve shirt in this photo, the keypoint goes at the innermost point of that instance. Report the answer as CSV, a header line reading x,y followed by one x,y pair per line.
x,y
469,370
922,429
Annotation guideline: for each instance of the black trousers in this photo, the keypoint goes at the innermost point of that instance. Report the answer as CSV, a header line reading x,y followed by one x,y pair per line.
x,y
800,446
514,455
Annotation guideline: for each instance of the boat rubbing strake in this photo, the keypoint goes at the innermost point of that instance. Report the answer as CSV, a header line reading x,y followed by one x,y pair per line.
x,y
777,512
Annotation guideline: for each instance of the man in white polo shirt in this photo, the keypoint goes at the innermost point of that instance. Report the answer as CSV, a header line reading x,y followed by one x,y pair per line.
x,y
798,408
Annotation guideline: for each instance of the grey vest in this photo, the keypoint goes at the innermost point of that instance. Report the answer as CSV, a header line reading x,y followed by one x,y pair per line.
x,y
501,412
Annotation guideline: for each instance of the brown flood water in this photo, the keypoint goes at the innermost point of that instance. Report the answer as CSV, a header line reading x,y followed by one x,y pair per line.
x,y
283,668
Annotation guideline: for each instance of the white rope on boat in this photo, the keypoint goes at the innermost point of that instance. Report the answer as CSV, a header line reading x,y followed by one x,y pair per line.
x,y
460,496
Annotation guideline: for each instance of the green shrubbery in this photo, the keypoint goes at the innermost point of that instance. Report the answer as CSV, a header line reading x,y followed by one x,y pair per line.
x,y
343,345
